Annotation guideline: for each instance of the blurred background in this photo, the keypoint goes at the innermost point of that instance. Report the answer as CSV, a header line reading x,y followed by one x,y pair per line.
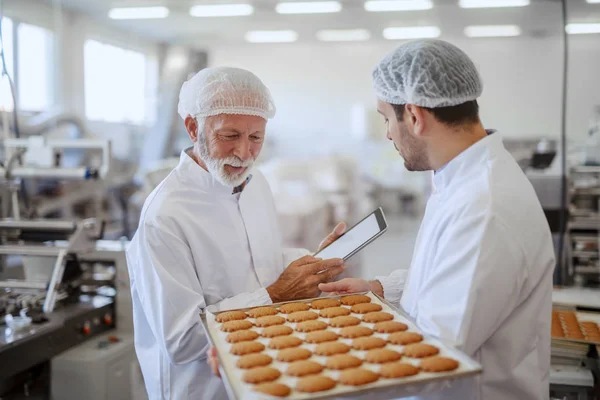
x,y
88,121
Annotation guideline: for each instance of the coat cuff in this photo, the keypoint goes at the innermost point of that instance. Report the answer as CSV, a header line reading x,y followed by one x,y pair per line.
x,y
392,287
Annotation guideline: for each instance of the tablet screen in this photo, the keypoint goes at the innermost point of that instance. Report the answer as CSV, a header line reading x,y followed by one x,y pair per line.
x,y
352,239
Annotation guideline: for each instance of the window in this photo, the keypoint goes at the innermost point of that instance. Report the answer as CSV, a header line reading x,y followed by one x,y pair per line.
x,y
34,67
6,46
115,83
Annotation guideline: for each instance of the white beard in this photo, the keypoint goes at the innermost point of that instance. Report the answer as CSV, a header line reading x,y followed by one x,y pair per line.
x,y
216,166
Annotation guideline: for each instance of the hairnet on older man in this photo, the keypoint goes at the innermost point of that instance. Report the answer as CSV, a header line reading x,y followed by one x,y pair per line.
x,y
225,90
428,73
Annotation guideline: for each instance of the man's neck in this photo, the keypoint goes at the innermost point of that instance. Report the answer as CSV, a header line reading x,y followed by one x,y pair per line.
x,y
197,159
453,142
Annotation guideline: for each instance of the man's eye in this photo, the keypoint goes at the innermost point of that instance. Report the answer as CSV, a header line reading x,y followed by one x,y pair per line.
x,y
230,137
256,138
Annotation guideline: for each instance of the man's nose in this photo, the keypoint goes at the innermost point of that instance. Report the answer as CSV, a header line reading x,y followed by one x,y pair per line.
x,y
242,149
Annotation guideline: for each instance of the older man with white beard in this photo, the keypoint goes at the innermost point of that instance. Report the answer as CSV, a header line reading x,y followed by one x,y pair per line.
x,y
208,237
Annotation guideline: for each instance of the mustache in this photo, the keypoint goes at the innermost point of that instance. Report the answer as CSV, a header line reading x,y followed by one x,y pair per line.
x,y
236,162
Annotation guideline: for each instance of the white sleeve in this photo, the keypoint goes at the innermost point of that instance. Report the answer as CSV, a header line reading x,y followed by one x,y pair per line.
x,y
478,275
171,294
292,254
393,285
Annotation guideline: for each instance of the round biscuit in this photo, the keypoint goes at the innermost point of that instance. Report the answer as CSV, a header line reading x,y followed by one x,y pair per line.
x,y
358,377
273,389
261,374
293,307
295,354
439,364
398,370
311,326
390,327
304,368
277,330
269,320
241,336
262,312
341,322
343,361
332,348
321,337
230,316
243,348
364,308
301,316
315,383
355,299
378,316
253,361
232,326
420,350
334,312
284,342
322,304
368,343
404,338
352,332
382,356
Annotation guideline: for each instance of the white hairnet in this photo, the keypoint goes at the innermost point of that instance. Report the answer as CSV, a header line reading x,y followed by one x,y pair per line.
x,y
428,73
225,90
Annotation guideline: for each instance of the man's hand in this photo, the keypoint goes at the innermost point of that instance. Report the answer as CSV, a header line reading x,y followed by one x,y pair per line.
x,y
213,361
333,236
301,279
351,285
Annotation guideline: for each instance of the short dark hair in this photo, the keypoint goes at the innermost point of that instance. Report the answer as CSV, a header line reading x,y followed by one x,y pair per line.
x,y
465,113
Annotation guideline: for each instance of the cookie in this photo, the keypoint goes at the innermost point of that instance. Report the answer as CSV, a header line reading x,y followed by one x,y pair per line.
x,y
382,356
322,304
262,312
230,316
277,330
352,332
311,326
420,350
374,317
291,355
300,316
293,307
284,342
368,343
355,299
261,374
254,360
304,368
341,322
316,383
343,361
404,338
269,320
243,348
232,326
241,336
390,327
358,377
332,348
439,364
334,312
273,389
321,337
398,370
364,308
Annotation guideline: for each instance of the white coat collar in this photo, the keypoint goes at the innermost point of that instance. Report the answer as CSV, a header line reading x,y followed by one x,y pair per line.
x,y
194,174
472,157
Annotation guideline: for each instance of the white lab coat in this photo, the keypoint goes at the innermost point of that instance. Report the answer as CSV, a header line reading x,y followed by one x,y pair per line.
x,y
198,246
481,274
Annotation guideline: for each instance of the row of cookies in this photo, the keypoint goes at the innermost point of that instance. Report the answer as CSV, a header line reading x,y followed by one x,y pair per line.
x,y
566,325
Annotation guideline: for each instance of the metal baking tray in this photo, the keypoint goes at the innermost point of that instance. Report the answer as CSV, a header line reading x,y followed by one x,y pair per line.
x,y
381,389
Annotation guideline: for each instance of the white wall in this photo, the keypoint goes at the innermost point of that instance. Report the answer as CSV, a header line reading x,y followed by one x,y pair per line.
x,y
71,30
316,85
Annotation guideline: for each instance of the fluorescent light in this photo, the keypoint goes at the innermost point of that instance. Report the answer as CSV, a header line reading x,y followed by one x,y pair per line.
x,y
271,36
492,31
221,10
138,13
398,5
492,3
415,32
581,29
593,1
343,35
315,7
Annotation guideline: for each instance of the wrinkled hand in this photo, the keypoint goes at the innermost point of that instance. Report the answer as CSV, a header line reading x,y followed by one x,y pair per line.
x,y
213,361
333,236
351,285
301,279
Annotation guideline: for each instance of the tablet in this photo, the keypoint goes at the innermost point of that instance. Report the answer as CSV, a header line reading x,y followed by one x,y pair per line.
x,y
357,237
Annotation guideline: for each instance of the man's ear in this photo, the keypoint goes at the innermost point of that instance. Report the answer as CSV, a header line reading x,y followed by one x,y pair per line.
x,y
191,125
417,118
